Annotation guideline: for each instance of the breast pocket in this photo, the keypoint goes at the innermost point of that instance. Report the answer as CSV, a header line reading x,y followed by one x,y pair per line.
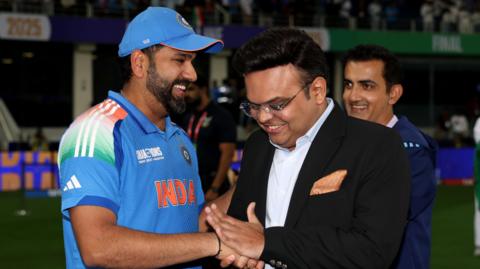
x,y
331,208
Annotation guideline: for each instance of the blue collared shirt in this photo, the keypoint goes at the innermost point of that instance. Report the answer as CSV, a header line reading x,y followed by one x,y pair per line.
x,y
114,157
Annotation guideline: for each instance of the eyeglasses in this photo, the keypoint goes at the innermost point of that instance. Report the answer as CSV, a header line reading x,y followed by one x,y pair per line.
x,y
252,109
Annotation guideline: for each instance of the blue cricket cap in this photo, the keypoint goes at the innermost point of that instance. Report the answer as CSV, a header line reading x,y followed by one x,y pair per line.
x,y
164,26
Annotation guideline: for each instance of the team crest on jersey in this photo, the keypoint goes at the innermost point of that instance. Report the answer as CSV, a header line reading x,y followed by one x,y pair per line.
x,y
186,155
147,155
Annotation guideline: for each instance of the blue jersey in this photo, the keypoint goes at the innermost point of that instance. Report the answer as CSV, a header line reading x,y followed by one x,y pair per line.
x,y
415,249
113,156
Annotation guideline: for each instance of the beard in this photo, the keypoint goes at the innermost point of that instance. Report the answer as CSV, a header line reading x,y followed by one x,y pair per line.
x,y
162,90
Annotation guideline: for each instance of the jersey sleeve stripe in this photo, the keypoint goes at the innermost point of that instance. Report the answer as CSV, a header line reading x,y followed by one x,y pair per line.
x,y
95,128
93,139
84,119
77,144
98,113
92,133
97,118
87,132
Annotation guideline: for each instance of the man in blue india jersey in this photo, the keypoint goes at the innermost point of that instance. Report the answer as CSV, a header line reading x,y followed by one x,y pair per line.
x,y
131,193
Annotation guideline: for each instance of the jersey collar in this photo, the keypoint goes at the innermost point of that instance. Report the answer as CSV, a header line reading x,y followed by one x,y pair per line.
x,y
142,120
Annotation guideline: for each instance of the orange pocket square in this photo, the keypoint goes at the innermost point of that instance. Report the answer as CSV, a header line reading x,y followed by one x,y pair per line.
x,y
329,183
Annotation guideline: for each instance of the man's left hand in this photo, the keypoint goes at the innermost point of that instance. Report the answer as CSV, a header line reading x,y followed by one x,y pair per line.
x,y
246,238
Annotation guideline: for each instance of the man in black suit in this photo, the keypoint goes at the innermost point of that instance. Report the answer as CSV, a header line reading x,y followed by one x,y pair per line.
x,y
330,191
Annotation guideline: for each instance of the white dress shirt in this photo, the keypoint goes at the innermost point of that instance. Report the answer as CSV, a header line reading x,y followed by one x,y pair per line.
x,y
284,171
392,121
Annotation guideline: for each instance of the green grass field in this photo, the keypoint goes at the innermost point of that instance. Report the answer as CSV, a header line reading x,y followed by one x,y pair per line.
x,y
35,240
452,229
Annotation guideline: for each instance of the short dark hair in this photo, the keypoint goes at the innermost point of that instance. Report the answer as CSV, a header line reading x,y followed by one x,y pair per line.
x,y
281,46
392,70
126,67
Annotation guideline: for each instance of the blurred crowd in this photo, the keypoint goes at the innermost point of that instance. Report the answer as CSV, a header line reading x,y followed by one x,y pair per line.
x,y
427,15
451,16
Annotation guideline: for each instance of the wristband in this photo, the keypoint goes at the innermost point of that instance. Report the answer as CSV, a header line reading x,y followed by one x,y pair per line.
x,y
219,245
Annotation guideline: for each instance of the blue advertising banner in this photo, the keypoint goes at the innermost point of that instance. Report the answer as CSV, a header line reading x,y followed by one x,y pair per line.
x,y
455,163
78,30
233,36
28,170
39,171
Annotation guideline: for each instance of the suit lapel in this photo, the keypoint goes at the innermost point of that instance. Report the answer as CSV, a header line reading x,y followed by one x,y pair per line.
x,y
323,148
263,172
253,181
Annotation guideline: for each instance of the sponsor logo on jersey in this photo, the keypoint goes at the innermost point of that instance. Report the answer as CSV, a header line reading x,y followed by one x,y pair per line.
x,y
149,154
72,184
175,192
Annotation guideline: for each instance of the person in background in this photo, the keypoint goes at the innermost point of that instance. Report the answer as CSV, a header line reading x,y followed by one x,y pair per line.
x,y
39,141
476,221
458,128
372,86
317,189
212,130
131,193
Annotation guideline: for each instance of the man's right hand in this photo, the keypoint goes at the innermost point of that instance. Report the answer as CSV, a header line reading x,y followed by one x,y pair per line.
x,y
228,257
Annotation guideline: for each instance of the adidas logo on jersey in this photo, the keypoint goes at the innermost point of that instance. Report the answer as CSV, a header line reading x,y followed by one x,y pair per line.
x,y
73,183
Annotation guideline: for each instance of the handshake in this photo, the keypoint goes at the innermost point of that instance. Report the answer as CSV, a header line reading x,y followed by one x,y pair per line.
x,y
240,243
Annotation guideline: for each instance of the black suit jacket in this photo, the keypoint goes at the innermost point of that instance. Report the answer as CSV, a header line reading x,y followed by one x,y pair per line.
x,y
359,226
